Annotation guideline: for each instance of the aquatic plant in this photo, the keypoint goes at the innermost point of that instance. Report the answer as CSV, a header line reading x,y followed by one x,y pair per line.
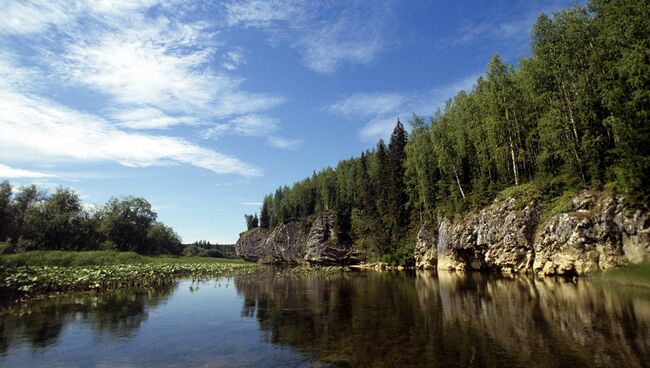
x,y
22,281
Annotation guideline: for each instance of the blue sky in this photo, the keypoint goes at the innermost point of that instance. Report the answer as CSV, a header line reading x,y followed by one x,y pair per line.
x,y
204,107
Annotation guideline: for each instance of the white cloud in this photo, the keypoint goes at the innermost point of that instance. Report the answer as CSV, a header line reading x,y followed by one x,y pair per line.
x,y
368,104
134,69
282,143
377,128
384,108
254,125
261,13
233,59
257,204
352,34
31,17
23,18
150,118
37,130
7,172
349,40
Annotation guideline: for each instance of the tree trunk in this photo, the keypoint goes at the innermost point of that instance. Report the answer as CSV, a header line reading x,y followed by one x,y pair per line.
x,y
458,182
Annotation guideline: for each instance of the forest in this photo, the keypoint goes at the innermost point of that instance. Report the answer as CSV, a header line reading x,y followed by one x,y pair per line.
x,y
573,115
31,219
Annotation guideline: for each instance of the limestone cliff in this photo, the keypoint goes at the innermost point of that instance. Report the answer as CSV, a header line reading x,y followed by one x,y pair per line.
x,y
599,233
292,243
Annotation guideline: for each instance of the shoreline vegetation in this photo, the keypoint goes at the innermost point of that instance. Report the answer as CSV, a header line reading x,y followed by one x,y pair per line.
x,y
40,273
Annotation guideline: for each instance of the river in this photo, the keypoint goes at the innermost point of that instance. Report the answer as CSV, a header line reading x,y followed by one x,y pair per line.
x,y
352,319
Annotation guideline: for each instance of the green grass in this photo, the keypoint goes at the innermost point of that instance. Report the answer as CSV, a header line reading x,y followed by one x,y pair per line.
x,y
99,258
3,246
632,275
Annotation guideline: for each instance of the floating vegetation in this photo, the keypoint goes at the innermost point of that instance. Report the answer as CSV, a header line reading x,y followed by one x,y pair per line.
x,y
25,281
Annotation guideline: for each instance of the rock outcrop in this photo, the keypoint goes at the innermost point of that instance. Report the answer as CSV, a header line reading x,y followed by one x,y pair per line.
x,y
426,251
498,237
294,243
599,233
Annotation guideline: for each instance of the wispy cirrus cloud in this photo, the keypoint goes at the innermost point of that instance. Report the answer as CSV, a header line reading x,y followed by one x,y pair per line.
x,y
234,59
283,143
152,71
368,104
39,130
511,27
383,108
254,126
31,17
355,34
150,118
8,172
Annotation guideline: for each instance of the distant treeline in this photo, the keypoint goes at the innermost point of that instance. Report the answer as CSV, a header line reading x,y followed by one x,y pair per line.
x,y
574,114
30,219
204,248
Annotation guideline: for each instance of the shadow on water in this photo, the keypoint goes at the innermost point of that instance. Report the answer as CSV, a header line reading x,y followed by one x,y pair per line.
x,y
360,319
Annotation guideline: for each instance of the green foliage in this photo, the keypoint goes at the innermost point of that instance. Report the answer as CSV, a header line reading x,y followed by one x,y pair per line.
x,y
34,220
251,221
573,115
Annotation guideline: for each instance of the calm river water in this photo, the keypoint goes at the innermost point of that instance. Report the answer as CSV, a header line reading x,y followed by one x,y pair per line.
x,y
360,319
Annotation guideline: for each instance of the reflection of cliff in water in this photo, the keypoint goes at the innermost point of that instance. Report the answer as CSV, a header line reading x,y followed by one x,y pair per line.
x,y
118,313
451,319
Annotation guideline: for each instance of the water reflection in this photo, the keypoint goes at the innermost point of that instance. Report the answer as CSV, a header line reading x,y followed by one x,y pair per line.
x,y
452,319
117,314
360,319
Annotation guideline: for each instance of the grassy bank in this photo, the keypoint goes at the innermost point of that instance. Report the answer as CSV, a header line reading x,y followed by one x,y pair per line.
x,y
41,272
632,275
99,258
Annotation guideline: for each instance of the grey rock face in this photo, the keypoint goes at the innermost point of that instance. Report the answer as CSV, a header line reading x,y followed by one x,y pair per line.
x,y
506,235
498,237
598,234
250,245
426,251
292,243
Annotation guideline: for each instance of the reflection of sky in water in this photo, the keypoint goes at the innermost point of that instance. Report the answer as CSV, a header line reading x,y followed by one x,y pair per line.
x,y
203,327
360,319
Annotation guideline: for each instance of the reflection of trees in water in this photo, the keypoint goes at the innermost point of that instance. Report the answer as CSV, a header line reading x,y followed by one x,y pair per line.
x,y
119,313
450,319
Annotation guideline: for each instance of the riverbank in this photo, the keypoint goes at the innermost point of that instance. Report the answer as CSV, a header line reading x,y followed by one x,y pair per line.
x,y
30,274
99,258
